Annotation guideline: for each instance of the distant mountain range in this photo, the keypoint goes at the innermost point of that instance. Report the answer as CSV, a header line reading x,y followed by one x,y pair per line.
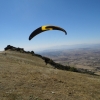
x,y
69,47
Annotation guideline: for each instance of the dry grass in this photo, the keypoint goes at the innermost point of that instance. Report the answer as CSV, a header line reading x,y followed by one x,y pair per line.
x,y
26,77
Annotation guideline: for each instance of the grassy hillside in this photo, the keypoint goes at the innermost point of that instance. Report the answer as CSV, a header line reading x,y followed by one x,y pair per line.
x,y
27,77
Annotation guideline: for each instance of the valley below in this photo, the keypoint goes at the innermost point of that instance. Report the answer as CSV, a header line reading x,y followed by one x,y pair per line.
x,y
85,58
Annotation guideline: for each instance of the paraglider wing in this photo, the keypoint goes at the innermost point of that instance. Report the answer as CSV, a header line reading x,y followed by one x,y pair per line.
x,y
45,28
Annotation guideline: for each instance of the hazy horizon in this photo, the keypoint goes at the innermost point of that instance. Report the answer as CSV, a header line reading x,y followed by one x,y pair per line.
x,y
60,47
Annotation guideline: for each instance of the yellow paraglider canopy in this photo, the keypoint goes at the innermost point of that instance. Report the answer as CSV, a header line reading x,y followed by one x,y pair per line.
x,y
45,28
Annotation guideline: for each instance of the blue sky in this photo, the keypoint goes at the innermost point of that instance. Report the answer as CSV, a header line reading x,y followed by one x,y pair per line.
x,y
18,18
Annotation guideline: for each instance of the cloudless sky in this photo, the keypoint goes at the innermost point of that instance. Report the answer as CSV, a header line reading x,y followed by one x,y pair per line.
x,y
18,18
